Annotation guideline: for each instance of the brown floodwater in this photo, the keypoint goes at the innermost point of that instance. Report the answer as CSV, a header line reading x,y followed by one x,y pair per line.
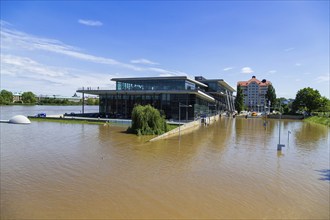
x,y
229,170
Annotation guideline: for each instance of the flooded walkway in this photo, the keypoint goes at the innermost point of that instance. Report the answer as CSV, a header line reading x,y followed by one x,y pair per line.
x,y
230,169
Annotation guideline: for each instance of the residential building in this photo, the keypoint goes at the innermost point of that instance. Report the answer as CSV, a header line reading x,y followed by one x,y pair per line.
x,y
174,96
254,92
17,97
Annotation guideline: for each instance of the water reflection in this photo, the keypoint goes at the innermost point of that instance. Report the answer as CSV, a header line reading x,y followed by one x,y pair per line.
x,y
325,173
309,135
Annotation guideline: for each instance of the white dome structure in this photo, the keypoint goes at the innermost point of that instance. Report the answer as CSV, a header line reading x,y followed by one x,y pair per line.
x,y
19,119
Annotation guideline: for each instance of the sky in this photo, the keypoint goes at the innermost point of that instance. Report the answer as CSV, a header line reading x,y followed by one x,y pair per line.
x,y
56,47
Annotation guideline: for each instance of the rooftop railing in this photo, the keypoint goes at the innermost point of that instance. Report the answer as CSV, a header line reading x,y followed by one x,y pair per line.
x,y
88,88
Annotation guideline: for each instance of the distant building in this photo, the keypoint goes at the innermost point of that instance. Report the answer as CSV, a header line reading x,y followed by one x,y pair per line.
x,y
17,96
74,98
174,95
254,92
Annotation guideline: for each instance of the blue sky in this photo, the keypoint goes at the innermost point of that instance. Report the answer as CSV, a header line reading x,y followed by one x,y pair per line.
x,y
55,47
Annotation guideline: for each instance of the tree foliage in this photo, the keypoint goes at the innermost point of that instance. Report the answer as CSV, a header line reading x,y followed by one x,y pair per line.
x,y
325,105
53,101
147,120
271,96
6,97
239,101
307,98
92,101
29,97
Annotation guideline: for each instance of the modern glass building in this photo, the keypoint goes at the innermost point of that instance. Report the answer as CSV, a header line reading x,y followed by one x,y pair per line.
x,y
173,96
221,91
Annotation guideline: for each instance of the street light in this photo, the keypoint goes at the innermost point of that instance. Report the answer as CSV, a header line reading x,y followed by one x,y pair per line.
x,y
279,146
185,106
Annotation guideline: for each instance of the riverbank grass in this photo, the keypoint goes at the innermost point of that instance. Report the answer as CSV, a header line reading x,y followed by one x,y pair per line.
x,y
319,120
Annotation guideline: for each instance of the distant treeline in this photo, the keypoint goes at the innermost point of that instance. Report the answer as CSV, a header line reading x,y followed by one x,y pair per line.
x,y
29,98
52,101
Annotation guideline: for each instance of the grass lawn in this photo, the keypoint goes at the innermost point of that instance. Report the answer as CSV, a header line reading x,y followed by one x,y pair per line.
x,y
319,120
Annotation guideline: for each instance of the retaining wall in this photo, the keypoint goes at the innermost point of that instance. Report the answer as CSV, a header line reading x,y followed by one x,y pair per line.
x,y
186,128
293,117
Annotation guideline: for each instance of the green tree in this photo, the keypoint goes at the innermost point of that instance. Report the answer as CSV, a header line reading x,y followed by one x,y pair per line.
x,y
271,96
307,98
29,97
90,101
147,120
325,105
97,102
239,101
6,97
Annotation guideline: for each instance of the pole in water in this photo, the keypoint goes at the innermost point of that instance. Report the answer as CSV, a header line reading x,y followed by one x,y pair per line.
x,y
279,146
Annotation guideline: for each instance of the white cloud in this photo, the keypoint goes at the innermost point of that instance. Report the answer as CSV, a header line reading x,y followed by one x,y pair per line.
x,y
228,68
90,22
143,61
31,75
16,40
322,79
164,72
18,69
298,64
289,49
15,65
272,71
19,40
246,70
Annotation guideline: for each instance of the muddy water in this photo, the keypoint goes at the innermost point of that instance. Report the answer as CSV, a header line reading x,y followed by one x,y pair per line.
x,y
228,170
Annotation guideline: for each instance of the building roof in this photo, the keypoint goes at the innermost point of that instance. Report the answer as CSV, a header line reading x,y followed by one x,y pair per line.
x,y
226,85
254,79
220,81
145,92
159,78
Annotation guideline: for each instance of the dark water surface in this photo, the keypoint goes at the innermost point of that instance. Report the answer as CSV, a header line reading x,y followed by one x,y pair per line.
x,y
228,170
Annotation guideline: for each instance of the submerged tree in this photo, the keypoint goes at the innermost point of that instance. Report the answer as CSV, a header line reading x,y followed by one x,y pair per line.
x,y
147,120
239,101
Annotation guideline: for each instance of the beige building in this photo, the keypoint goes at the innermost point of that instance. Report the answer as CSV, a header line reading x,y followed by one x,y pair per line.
x,y
17,96
254,92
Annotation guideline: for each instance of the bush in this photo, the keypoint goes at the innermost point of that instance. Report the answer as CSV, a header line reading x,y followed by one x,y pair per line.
x,y
147,120
6,97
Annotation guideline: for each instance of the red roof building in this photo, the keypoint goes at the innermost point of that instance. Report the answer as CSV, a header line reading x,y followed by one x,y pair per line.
x,y
254,92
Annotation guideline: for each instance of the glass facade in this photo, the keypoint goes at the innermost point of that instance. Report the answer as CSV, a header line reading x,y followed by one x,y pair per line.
x,y
136,85
224,96
121,105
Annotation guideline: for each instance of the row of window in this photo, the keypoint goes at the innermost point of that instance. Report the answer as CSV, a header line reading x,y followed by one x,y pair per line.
x,y
155,85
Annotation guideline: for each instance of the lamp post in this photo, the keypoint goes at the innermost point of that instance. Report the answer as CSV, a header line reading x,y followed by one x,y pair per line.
x,y
186,106
279,146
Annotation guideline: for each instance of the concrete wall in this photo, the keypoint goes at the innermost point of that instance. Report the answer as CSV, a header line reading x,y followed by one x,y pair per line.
x,y
294,117
186,128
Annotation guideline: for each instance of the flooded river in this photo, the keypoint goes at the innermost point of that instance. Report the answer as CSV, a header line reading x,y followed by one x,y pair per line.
x,y
228,170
